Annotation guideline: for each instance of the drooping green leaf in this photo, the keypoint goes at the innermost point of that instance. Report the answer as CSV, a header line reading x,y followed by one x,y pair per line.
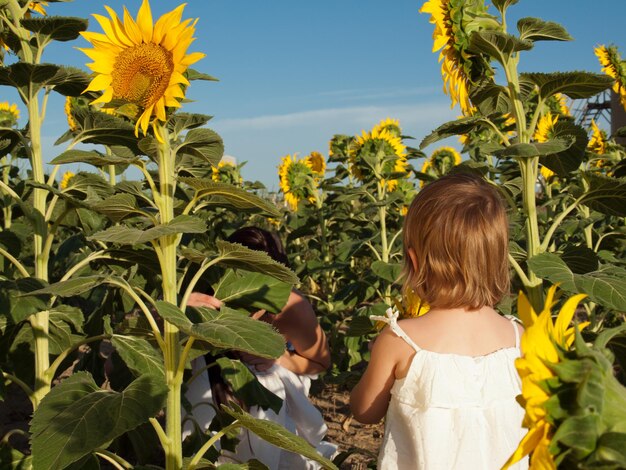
x,y
253,290
277,435
96,127
234,255
91,157
19,299
174,315
77,417
89,184
563,163
528,150
387,271
490,98
246,387
227,195
117,207
576,85
139,355
9,138
123,235
25,76
460,126
57,28
605,194
193,74
497,44
502,5
536,29
605,286
229,329
65,328
580,259
72,286
579,434
179,122
203,143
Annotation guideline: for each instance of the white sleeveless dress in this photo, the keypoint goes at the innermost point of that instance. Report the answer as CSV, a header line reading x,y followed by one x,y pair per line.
x,y
453,411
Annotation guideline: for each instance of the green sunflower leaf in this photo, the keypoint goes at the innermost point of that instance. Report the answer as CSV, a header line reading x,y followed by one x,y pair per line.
x,y
605,286
229,196
490,98
387,271
202,143
22,298
502,5
179,122
193,74
73,286
535,29
25,76
246,386
57,28
9,138
605,194
131,236
576,85
253,290
117,207
77,417
460,126
569,160
277,435
234,255
91,157
497,44
139,355
524,150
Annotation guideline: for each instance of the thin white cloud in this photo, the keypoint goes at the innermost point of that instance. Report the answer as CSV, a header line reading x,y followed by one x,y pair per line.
x,y
377,93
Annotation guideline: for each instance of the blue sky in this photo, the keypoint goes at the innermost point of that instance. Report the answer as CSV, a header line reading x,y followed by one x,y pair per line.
x,y
293,73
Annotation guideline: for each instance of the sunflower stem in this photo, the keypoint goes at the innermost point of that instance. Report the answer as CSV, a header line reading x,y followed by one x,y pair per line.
x,y
167,244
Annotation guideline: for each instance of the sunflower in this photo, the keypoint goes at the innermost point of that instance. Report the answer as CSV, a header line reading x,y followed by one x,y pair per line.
x,y
142,63
390,125
72,103
226,172
454,21
540,346
545,127
297,180
614,67
384,149
562,102
65,181
9,113
598,141
316,162
412,306
37,7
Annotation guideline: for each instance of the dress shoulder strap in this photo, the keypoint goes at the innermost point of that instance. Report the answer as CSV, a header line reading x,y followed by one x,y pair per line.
x,y
514,321
391,318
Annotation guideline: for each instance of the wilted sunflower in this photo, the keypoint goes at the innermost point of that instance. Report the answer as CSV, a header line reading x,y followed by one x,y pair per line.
x,y
540,344
380,146
65,181
142,63
9,113
390,125
297,181
598,141
454,21
615,67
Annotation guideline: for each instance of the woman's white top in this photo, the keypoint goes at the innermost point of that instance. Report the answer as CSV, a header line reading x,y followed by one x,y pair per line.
x,y
454,411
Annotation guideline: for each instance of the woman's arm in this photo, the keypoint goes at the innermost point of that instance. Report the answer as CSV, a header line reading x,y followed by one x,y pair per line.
x,y
298,324
370,397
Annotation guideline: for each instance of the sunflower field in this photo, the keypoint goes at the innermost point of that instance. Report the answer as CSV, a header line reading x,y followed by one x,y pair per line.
x,y
96,269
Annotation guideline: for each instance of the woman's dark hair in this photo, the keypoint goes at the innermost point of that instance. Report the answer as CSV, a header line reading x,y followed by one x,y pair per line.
x,y
261,240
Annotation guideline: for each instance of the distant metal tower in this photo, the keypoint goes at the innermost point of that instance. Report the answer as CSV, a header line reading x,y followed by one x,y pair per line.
x,y
597,108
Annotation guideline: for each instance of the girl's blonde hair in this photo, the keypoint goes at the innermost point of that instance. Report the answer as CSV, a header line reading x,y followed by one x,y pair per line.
x,y
458,229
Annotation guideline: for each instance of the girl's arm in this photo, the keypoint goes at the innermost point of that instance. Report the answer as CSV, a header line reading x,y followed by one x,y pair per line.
x,y
298,324
370,397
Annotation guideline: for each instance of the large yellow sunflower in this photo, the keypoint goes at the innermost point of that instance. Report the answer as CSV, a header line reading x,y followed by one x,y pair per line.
x,y
615,67
540,344
9,113
453,21
296,180
598,141
142,63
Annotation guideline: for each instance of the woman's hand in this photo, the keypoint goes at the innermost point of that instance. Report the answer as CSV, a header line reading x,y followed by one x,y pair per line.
x,y
197,299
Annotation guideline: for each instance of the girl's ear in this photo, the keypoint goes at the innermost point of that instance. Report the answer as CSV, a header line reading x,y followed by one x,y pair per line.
x,y
413,257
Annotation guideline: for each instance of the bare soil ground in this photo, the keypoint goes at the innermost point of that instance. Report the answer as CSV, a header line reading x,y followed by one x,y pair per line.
x,y
360,441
